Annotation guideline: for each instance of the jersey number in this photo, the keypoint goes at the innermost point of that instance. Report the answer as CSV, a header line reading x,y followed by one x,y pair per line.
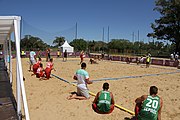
x,y
105,96
152,103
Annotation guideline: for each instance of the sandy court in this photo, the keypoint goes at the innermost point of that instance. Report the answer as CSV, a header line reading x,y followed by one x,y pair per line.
x,y
47,98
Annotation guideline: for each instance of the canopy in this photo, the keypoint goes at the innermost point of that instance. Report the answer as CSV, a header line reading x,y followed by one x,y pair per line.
x,y
9,25
67,47
6,27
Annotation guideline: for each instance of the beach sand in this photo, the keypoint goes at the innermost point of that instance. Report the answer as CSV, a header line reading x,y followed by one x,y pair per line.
x,y
47,98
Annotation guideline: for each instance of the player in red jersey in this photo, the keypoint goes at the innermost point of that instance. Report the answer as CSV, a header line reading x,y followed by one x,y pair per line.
x,y
48,69
40,71
82,56
36,66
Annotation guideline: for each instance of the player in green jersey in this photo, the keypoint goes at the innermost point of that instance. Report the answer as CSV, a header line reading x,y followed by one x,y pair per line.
x,y
148,107
104,101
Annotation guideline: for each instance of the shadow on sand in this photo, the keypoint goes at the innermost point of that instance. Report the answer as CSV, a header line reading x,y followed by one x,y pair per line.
x,y
127,118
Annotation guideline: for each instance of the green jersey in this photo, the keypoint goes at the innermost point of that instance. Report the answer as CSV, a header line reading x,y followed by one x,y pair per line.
x,y
150,107
104,101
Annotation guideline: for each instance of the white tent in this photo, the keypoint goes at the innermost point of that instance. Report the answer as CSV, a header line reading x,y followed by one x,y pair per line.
x,y
67,47
8,26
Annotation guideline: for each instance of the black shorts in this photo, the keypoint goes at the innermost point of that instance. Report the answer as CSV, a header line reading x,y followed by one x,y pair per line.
x,y
49,56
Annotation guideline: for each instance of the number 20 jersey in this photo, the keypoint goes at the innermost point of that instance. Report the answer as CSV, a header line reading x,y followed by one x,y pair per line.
x,y
150,107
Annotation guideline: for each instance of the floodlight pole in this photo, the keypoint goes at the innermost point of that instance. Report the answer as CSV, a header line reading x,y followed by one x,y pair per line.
x,y
103,35
103,40
108,34
133,37
138,36
76,31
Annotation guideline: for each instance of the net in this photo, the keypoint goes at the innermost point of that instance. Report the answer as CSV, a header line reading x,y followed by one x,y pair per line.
x,y
47,36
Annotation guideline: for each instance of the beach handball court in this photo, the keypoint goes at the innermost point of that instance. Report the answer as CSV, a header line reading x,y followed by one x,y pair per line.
x,y
47,99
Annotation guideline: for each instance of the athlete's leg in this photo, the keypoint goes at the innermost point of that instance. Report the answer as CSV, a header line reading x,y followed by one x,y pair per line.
x,y
94,107
111,109
137,110
83,93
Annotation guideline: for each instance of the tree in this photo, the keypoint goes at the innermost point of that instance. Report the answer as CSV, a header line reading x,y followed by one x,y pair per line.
x,y
29,42
79,44
59,41
167,27
13,46
91,46
120,44
100,46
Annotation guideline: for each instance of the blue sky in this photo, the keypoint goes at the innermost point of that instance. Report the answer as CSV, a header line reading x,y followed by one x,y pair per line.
x,y
51,18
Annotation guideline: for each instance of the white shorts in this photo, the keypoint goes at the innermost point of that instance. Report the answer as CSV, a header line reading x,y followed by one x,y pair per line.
x,y
32,62
83,92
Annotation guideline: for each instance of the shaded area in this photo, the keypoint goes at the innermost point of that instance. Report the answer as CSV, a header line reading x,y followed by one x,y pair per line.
x,y
7,101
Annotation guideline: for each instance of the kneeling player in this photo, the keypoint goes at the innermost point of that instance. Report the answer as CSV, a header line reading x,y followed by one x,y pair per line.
x,y
36,66
48,69
40,71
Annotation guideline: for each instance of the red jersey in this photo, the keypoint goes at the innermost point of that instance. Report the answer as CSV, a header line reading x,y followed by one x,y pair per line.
x,y
40,72
49,65
48,69
36,66
81,55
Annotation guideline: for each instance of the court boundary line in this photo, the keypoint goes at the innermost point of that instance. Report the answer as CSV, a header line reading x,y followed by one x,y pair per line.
x,y
136,76
135,64
93,94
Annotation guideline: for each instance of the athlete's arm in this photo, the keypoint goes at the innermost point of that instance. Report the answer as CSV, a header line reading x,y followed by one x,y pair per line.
x,y
53,67
88,81
35,56
159,111
112,99
96,98
75,78
140,99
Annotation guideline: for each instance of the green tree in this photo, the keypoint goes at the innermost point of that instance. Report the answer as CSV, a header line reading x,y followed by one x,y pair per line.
x,y
79,44
13,46
167,27
100,46
120,44
59,41
29,42
91,46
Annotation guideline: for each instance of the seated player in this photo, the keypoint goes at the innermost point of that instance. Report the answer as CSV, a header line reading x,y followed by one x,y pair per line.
x,y
148,107
92,61
36,66
48,69
104,101
40,71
